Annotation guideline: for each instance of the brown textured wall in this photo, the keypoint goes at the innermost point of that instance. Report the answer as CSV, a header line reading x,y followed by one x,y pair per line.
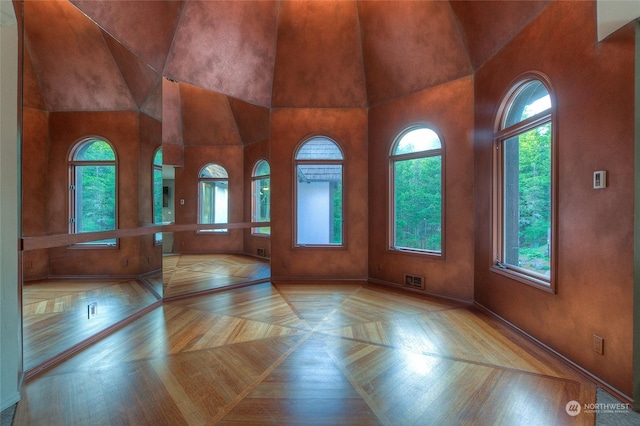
x,y
132,22
319,57
172,139
207,118
186,184
488,25
140,78
35,185
253,153
448,108
227,47
348,127
409,46
150,141
593,86
56,30
122,130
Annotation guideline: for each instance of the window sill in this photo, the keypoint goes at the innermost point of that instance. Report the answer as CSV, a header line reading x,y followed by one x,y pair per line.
x,y
524,278
423,253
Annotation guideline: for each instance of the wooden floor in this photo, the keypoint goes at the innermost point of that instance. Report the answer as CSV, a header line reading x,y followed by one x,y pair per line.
x,y
302,354
55,312
193,273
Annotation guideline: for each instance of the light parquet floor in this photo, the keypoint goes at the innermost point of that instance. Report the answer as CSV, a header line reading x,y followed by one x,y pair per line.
x,y
55,312
304,354
193,273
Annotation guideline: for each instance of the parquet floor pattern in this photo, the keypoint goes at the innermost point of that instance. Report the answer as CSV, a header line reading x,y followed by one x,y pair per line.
x,y
304,354
55,312
193,273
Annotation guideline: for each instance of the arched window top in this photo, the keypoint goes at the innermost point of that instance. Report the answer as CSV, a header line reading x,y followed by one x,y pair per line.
x,y
261,169
529,99
93,150
319,148
213,171
157,159
418,139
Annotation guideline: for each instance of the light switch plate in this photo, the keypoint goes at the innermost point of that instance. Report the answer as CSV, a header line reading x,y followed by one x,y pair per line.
x,y
599,179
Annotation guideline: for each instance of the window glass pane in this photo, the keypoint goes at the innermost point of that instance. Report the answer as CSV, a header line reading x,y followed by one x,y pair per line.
x,y
157,159
418,203
319,208
261,204
533,98
319,149
95,150
417,140
157,187
262,168
214,203
157,195
95,198
213,171
527,200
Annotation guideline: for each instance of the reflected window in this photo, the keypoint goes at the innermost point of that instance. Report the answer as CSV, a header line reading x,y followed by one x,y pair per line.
x,y
92,188
416,191
524,158
157,192
213,196
261,197
318,167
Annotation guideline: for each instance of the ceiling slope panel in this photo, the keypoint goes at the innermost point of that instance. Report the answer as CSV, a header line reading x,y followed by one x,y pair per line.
x,y
409,46
489,25
207,118
227,47
145,27
140,78
32,96
252,121
70,57
153,105
319,56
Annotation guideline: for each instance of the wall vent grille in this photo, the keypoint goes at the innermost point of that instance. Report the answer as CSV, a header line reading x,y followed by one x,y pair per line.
x,y
414,281
261,252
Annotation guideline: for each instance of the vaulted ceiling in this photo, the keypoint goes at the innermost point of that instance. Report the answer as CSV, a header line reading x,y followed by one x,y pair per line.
x,y
112,55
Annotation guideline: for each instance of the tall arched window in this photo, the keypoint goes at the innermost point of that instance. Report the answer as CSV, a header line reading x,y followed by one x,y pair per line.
x,y
157,186
213,196
524,206
318,167
416,191
261,196
157,192
92,188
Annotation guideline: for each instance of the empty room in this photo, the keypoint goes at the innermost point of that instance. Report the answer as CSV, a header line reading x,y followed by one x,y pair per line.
x,y
319,212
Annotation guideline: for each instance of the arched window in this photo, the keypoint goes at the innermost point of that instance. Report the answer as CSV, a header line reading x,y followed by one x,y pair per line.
x,y
213,196
261,196
318,167
157,192
157,186
524,203
416,191
92,188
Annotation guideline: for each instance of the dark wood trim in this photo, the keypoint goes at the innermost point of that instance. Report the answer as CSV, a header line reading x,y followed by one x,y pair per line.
x,y
60,240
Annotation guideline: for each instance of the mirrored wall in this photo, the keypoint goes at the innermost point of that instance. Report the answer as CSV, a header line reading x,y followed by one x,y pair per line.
x,y
111,202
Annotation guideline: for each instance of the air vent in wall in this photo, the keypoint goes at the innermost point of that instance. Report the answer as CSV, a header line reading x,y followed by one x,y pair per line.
x,y
414,281
261,252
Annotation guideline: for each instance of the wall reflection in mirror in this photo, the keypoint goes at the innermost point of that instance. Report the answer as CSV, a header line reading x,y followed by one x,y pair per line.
x,y
109,145
187,273
80,299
